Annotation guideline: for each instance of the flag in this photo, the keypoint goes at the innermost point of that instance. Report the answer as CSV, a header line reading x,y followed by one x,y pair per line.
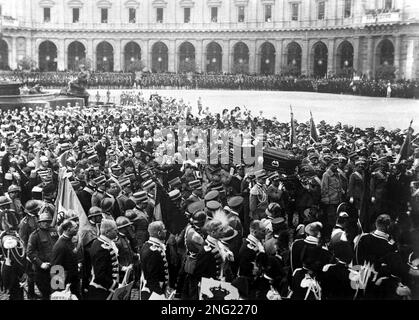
x,y
292,132
63,158
68,202
165,210
406,147
313,130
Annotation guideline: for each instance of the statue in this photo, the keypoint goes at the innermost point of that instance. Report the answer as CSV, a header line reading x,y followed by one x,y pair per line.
x,y
77,87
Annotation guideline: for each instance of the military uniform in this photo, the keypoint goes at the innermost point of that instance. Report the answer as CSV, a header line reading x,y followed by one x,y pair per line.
x,y
104,257
40,245
140,228
258,201
378,190
336,284
155,268
194,242
298,248
85,197
209,261
356,188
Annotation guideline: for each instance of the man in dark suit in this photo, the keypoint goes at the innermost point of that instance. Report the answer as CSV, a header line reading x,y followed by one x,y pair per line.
x,y
104,257
101,148
85,196
154,262
63,254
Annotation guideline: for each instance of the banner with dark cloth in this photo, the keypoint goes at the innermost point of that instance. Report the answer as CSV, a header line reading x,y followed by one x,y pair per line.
x,y
405,150
313,130
166,211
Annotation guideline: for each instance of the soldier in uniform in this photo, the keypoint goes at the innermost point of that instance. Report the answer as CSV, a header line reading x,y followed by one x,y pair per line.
x,y
85,195
127,255
275,189
16,205
194,242
258,199
342,174
99,194
139,218
28,225
356,184
235,205
154,262
86,237
378,188
40,245
123,196
251,248
313,238
104,257
196,194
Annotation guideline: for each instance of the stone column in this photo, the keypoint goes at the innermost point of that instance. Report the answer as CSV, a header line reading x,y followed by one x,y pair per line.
x,y
91,53
172,56
370,68
226,56
199,56
13,55
397,47
254,58
279,56
331,57
356,54
146,54
305,59
117,55
61,55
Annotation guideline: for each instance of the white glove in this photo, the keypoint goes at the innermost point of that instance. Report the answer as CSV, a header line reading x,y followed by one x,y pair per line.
x,y
351,200
45,265
372,199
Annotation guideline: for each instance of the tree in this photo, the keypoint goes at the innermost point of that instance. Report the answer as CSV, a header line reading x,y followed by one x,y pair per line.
x,y
137,65
241,68
87,63
385,72
291,70
187,66
26,63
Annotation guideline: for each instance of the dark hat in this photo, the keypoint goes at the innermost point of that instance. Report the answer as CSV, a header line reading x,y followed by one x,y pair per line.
x,y
175,195
272,209
195,184
196,206
213,205
115,168
140,196
198,218
144,175
124,182
229,233
131,215
313,229
175,182
278,225
213,194
217,187
235,202
106,204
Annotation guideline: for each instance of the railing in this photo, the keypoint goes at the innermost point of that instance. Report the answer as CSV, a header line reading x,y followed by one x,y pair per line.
x,y
210,26
381,17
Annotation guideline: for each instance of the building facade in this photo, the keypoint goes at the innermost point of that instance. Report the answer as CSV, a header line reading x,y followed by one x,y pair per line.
x,y
314,37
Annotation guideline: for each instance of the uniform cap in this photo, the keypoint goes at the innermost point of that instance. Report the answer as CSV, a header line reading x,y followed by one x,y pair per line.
x,y
235,202
99,180
195,184
196,206
149,184
213,205
175,195
175,182
4,201
14,188
260,174
213,194
140,196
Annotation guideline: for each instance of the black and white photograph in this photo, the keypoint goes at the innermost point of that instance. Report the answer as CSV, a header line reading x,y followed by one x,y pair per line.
x,y
227,151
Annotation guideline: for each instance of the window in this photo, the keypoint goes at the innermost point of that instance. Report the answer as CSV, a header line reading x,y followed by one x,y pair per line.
x,y
214,14
132,15
268,13
348,7
388,4
321,8
47,14
159,16
294,11
76,15
241,14
186,15
104,15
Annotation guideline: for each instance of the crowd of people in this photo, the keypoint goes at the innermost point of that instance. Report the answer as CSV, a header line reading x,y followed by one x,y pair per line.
x,y
101,80
342,224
